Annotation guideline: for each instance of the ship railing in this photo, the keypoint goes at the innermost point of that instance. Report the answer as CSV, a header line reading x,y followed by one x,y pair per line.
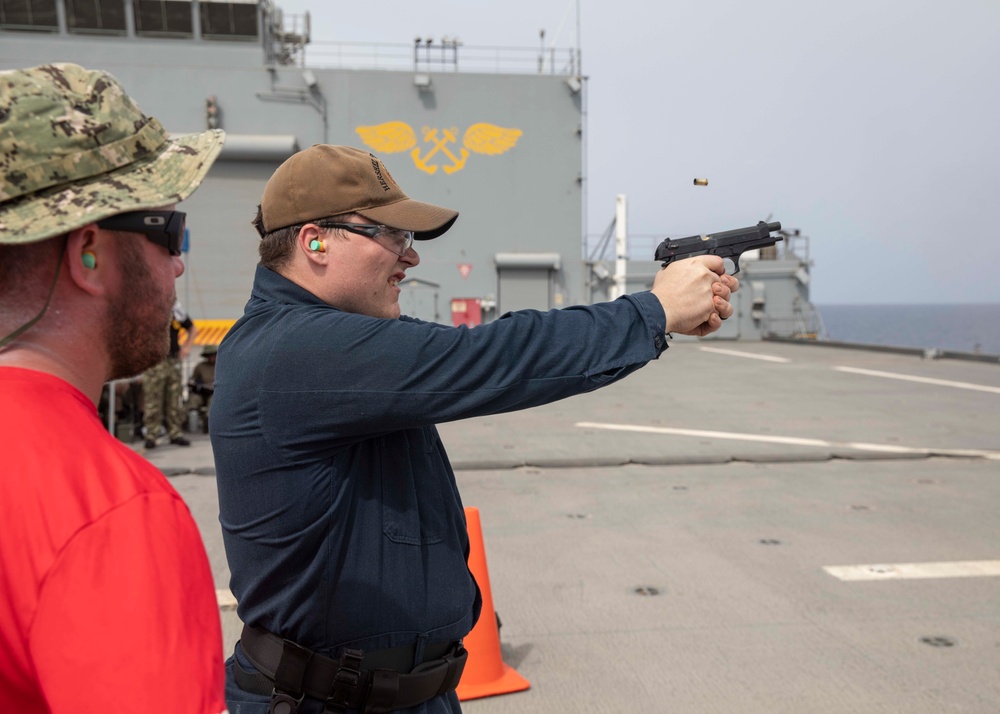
x,y
446,55
805,323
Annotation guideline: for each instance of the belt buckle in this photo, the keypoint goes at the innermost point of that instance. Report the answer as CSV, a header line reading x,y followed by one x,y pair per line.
x,y
345,681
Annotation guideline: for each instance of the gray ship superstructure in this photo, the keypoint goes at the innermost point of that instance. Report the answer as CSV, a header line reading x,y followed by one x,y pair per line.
x,y
497,133
764,528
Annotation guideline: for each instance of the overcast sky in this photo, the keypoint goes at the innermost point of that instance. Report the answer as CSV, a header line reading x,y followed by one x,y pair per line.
x,y
870,125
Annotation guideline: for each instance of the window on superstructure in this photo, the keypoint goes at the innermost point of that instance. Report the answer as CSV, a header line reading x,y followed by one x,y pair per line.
x,y
105,16
163,17
29,15
229,19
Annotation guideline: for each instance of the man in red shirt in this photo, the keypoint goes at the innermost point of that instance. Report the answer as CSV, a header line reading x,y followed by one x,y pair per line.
x,y
106,596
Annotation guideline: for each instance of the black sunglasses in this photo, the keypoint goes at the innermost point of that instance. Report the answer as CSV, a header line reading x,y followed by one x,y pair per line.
x,y
164,228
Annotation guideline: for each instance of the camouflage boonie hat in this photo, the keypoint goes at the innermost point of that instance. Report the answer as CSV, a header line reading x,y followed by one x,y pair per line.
x,y
75,149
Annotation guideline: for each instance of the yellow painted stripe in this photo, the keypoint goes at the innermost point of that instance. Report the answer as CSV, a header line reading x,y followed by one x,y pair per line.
x,y
209,332
914,571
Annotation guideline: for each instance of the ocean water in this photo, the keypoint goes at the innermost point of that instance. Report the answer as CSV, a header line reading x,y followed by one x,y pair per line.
x,y
959,328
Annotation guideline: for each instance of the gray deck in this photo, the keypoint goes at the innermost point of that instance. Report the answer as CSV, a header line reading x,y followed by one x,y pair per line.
x,y
805,466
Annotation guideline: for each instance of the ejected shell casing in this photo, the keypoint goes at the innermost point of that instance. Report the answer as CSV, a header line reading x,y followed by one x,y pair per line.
x,y
701,182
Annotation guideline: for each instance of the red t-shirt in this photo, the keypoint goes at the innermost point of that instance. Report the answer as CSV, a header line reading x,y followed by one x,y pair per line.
x,y
106,596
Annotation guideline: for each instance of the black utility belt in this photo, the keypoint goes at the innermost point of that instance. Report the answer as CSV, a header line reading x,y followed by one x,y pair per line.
x,y
372,682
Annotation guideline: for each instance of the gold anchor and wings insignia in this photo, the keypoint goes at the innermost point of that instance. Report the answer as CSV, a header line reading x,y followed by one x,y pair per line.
x,y
394,136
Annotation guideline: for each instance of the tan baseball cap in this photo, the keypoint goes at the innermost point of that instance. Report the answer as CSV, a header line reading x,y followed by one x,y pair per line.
x,y
75,149
325,180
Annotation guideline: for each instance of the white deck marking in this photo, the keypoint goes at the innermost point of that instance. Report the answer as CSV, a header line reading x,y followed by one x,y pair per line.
x,y
923,380
751,355
912,571
790,440
225,598
795,441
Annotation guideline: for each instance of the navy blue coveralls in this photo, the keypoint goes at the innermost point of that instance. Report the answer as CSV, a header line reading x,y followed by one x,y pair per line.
x,y
342,521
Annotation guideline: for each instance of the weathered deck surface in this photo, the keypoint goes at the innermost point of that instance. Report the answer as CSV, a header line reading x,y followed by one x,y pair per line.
x,y
670,554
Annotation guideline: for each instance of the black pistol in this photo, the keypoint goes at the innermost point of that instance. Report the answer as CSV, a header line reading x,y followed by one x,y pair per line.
x,y
727,244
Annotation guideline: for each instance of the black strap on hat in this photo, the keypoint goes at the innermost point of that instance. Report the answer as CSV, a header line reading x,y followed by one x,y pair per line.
x,y
52,288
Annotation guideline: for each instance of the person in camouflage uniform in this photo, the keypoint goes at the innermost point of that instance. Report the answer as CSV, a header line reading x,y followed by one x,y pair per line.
x,y
162,384
201,385
90,248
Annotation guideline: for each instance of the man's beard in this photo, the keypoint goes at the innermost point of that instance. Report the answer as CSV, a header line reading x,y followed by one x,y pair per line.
x,y
137,325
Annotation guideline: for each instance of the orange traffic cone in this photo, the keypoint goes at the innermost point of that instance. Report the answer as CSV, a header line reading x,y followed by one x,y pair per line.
x,y
485,672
